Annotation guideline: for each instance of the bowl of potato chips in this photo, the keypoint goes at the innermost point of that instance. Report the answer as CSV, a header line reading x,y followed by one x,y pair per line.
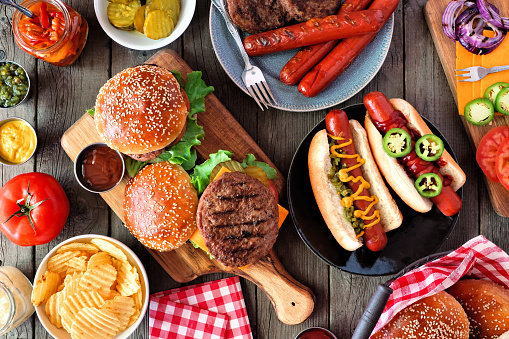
x,y
90,286
144,24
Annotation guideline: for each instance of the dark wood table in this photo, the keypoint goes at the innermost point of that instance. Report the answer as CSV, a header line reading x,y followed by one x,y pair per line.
x,y
60,96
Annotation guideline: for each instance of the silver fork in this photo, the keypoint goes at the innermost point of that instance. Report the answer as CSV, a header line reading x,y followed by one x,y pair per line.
x,y
476,73
252,76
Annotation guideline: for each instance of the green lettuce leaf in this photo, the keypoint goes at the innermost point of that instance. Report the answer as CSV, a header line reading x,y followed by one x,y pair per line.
x,y
91,111
201,173
133,166
182,153
250,160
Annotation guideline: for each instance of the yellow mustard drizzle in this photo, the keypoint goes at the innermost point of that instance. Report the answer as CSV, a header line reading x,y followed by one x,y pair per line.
x,y
344,176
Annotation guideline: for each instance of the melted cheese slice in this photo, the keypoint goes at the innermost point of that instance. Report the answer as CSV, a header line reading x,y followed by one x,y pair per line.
x,y
468,91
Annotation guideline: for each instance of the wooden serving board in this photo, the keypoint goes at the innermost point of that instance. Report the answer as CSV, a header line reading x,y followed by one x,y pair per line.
x,y
292,301
446,49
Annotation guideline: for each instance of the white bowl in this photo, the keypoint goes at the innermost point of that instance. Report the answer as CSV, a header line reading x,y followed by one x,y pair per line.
x,y
60,333
136,40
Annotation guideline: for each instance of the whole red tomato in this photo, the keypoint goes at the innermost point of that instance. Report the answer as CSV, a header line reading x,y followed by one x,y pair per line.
x,y
34,209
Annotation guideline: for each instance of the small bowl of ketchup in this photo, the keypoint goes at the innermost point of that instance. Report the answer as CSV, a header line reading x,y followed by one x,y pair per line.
x,y
316,333
99,168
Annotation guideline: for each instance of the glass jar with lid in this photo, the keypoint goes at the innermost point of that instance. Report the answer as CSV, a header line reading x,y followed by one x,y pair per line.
x,y
56,33
15,295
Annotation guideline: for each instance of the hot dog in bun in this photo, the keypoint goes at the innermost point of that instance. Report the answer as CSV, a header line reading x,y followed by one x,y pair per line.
x,y
409,156
347,185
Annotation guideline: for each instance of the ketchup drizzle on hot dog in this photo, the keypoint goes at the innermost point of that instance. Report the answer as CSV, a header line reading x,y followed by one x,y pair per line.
x,y
337,125
385,117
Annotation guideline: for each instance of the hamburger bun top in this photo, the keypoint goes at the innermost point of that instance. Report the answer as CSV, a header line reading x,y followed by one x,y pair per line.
x,y
140,110
439,316
486,304
160,206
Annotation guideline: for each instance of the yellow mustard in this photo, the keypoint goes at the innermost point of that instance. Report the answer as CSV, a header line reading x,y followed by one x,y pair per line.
x,y
17,141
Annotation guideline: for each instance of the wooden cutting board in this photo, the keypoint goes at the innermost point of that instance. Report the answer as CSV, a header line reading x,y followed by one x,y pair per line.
x,y
446,49
292,301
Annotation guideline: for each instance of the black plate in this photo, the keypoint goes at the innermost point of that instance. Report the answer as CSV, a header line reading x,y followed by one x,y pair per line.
x,y
420,235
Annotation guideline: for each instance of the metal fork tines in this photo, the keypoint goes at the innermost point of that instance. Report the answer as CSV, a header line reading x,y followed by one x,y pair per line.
x,y
476,73
252,76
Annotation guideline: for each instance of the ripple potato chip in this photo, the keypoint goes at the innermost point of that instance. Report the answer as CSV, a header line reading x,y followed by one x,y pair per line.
x,y
45,287
107,246
99,278
122,307
78,246
98,259
75,302
58,262
93,323
52,306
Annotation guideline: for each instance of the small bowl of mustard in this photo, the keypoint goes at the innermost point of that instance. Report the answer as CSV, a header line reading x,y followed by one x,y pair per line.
x,y
98,168
18,141
14,84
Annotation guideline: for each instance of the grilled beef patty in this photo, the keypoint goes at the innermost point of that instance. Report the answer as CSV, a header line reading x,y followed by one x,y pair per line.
x,y
255,16
238,219
304,10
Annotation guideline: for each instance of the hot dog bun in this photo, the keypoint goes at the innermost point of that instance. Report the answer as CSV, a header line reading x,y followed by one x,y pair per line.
x,y
329,201
390,216
415,121
395,173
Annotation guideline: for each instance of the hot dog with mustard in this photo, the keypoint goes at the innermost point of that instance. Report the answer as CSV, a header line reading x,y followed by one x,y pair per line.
x,y
348,188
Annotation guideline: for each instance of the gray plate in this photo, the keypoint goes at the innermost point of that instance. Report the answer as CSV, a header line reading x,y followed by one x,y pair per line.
x,y
358,75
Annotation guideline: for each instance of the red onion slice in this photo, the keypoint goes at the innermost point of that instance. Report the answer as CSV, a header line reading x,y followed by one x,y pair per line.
x,y
451,12
491,15
470,35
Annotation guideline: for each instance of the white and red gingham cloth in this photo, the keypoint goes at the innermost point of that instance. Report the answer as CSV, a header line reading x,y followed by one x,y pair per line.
x,y
478,258
214,310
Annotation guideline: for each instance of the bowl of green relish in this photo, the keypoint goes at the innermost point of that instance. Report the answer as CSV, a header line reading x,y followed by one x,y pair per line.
x,y
14,84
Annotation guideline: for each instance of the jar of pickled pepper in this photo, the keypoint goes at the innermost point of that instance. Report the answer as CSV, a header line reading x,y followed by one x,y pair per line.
x,y
56,33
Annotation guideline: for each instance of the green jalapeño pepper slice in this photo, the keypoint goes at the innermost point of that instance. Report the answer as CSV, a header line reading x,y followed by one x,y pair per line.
x,y
429,185
502,101
479,111
397,142
492,91
429,147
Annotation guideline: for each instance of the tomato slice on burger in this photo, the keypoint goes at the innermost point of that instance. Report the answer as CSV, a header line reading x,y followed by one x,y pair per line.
x,y
502,163
487,151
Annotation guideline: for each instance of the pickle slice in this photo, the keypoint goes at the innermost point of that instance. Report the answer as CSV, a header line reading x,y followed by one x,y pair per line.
x,y
257,173
232,165
122,15
171,7
158,25
121,1
139,19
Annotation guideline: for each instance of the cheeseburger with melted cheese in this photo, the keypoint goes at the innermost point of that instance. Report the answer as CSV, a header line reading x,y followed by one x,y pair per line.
x,y
141,111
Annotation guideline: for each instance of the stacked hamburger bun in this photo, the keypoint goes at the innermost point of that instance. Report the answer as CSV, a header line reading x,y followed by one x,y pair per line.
x,y
471,308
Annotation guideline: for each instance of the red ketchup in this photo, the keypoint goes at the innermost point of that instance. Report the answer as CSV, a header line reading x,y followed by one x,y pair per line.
x,y
315,333
102,168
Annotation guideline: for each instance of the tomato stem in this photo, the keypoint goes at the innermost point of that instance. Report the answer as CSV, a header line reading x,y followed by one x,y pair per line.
x,y
25,209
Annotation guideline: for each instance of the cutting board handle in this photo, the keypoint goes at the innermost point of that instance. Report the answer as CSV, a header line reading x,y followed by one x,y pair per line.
x,y
292,301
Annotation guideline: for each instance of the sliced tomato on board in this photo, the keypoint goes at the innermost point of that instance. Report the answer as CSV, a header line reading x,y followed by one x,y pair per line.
x,y
502,163
487,151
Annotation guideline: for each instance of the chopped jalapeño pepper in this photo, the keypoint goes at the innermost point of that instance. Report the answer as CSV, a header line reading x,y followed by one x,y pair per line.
x,y
429,147
479,111
492,91
429,185
397,142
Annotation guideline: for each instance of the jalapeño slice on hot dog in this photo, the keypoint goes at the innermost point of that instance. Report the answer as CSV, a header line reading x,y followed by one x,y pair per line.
x,y
338,129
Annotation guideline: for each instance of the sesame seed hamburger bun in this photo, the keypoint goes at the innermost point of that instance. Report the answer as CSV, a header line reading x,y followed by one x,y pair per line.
x,y
160,205
439,316
486,304
140,110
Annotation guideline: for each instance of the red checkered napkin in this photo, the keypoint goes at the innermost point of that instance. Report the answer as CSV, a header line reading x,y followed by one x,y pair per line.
x,y
169,319
478,258
222,297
